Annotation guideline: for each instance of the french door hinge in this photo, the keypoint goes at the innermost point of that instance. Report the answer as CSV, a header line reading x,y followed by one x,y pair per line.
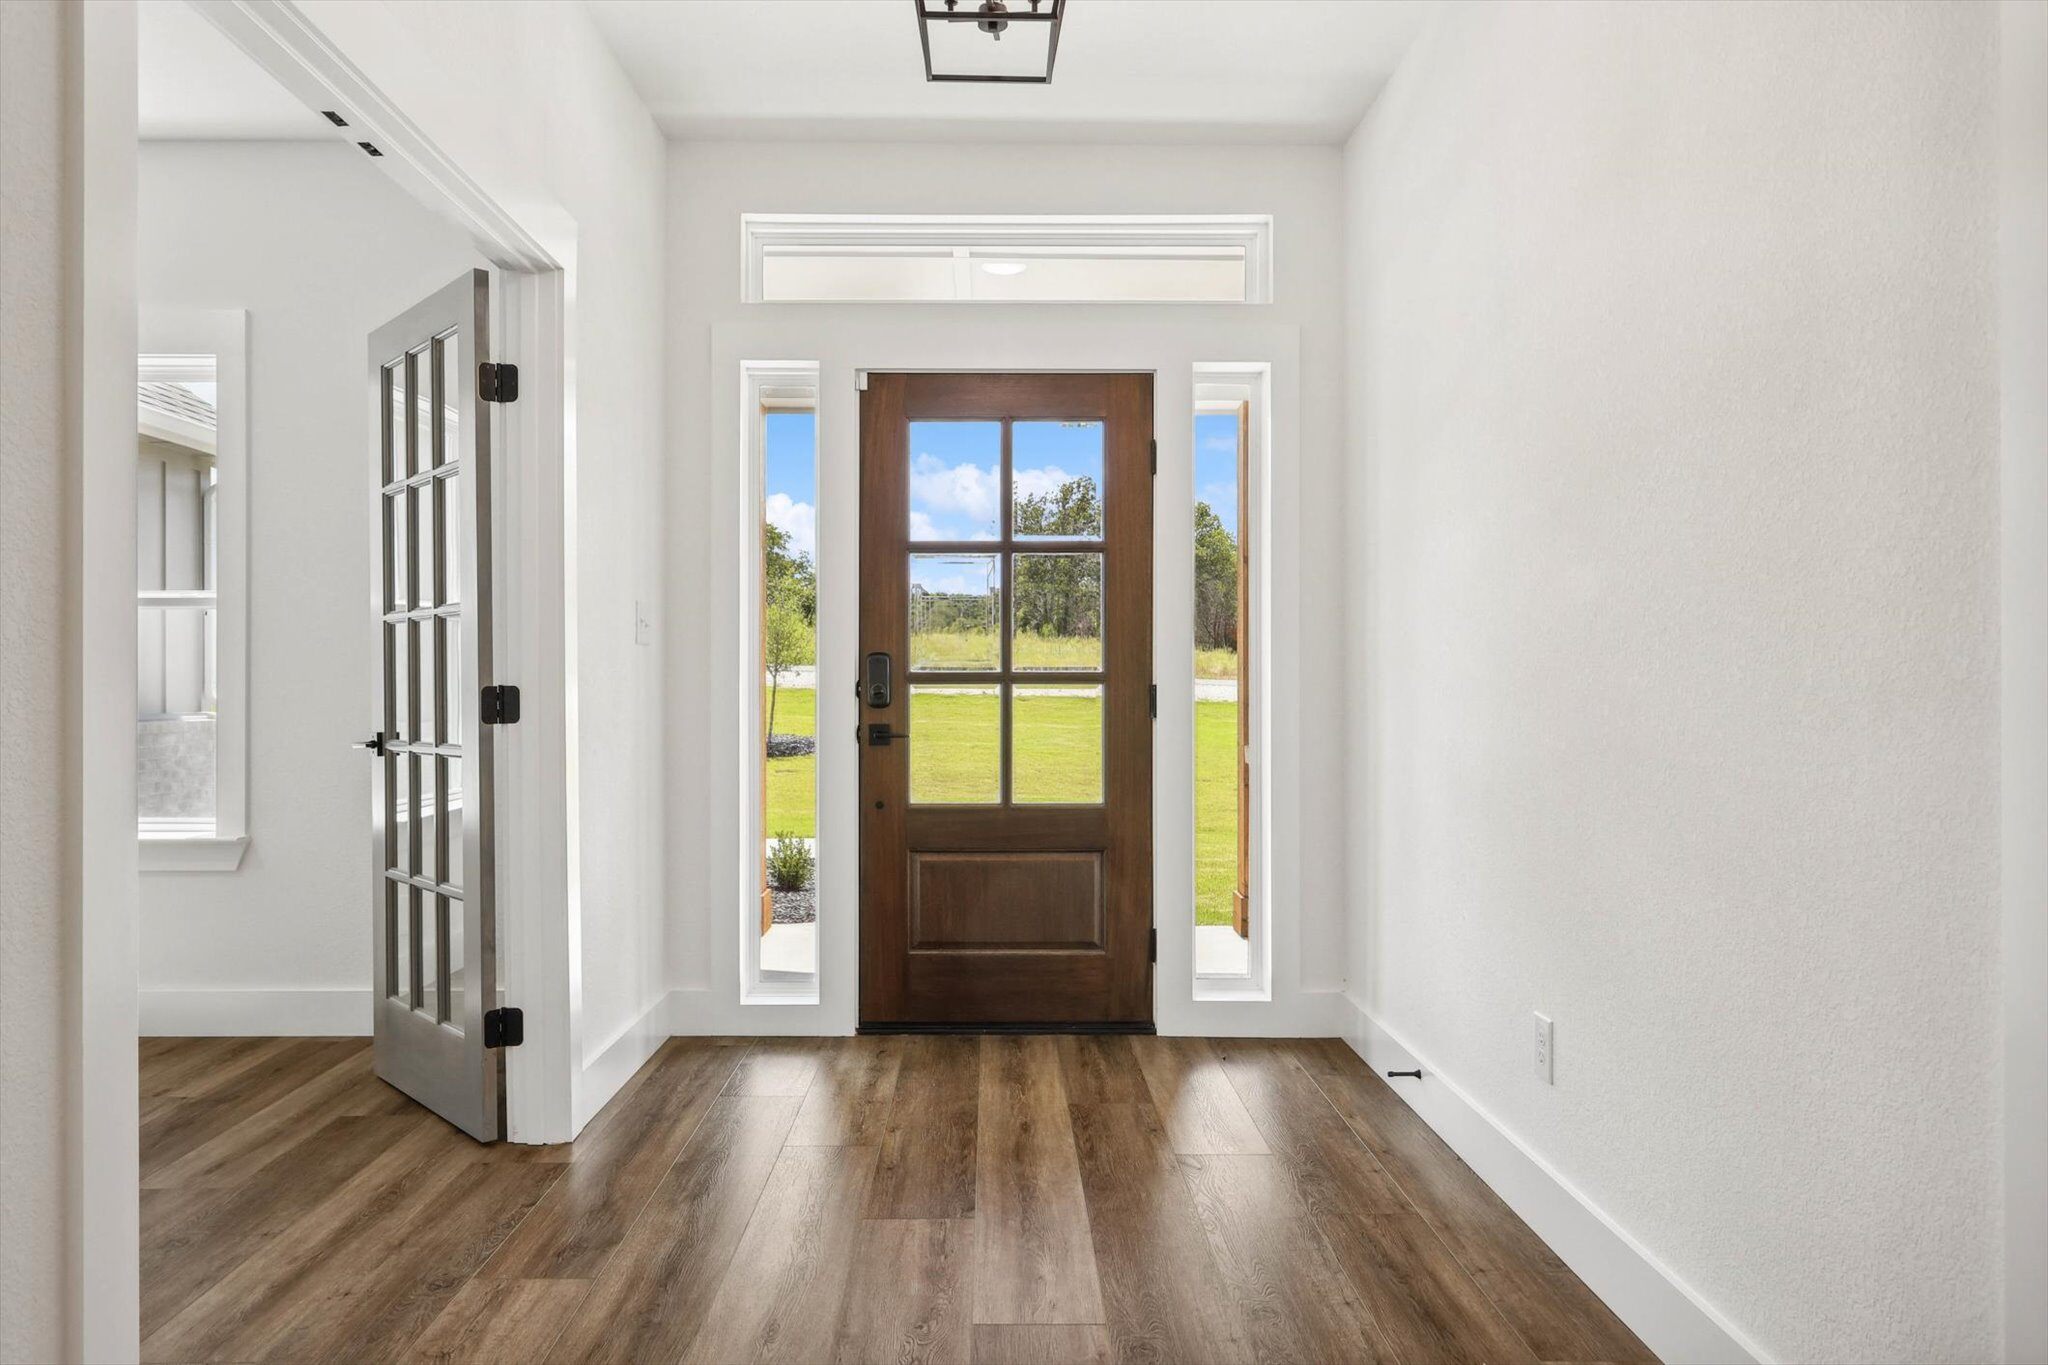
x,y
1152,947
1155,701
1155,454
500,705
497,383
504,1027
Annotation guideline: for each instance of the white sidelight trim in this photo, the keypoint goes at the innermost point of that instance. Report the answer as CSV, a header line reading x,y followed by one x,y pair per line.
x,y
969,237
1668,1314
1169,344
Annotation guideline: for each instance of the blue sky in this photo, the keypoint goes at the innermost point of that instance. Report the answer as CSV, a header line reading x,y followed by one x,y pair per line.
x,y
791,478
1216,465
955,468
954,471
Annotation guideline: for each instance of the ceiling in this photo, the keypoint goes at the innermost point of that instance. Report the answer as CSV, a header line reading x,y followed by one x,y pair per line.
x,y
1128,70
191,82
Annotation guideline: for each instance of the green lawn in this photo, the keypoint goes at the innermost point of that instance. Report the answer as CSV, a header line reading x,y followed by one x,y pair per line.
x,y
1058,758
977,650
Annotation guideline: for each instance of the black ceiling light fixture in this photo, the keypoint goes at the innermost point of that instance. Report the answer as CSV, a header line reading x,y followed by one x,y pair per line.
x,y
964,40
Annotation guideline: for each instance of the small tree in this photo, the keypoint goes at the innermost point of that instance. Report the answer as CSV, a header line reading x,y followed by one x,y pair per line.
x,y
785,643
1215,581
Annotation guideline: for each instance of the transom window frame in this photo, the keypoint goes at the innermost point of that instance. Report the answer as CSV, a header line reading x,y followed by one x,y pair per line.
x,y
968,238
171,337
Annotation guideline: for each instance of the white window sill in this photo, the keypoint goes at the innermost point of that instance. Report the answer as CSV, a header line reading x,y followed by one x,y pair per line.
x,y
176,853
779,989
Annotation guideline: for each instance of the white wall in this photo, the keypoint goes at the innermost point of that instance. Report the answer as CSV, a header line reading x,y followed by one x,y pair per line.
x,y
1674,419
710,186
2023,639
321,250
35,1040
533,107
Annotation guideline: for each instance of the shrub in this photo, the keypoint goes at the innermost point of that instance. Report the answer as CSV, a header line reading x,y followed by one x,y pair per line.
x,y
790,863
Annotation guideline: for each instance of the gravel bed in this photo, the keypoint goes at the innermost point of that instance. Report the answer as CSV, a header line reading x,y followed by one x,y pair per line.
x,y
796,907
791,746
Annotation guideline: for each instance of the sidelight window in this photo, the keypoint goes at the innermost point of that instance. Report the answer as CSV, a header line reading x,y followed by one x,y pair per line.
x,y
786,441
1223,641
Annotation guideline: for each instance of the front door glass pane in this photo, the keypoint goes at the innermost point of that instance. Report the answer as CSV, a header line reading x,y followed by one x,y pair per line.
x,y
1056,483
1058,618
1056,744
955,480
955,746
955,608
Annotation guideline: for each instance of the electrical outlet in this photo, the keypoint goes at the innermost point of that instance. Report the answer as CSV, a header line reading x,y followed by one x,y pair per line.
x,y
1545,1034
643,629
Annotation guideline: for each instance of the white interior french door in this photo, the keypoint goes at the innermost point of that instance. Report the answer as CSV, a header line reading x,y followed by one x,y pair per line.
x,y
431,898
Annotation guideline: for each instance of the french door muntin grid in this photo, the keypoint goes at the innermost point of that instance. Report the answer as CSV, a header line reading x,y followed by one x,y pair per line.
x,y
1007,677
422,705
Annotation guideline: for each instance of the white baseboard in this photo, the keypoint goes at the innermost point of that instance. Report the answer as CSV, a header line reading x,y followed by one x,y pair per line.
x,y
254,1014
1671,1318
606,1074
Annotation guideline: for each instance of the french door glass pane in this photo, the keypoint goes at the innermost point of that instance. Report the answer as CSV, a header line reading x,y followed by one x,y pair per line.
x,y
955,608
1056,744
448,354
1057,621
451,537
1056,479
427,1001
955,746
955,480
397,938
453,872
395,591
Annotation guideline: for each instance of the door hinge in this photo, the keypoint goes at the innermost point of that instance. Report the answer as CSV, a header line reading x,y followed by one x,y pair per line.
x,y
504,1027
1152,948
1155,701
1155,454
497,383
500,705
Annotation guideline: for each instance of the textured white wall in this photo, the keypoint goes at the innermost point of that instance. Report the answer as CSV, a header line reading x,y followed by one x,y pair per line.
x,y
712,184
34,1038
321,249
1674,427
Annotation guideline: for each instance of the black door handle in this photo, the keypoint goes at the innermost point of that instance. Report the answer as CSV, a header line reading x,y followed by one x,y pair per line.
x,y
375,744
882,733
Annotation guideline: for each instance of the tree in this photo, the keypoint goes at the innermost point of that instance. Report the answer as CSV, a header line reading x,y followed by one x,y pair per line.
x,y
1060,595
785,643
789,577
1215,581
789,620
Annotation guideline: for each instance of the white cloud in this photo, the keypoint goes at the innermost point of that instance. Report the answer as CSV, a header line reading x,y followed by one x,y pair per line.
x,y
1220,444
797,520
922,527
967,491
1039,483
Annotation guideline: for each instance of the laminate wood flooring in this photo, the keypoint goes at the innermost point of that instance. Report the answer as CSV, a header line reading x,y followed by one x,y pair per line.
x,y
841,1201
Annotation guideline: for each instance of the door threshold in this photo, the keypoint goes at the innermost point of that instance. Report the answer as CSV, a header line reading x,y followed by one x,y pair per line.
x,y
1137,1028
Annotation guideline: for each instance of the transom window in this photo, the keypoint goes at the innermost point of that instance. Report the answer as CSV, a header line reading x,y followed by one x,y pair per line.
x,y
1044,258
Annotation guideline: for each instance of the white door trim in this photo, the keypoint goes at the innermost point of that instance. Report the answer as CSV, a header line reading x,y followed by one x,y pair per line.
x,y
1171,345
537,910
534,252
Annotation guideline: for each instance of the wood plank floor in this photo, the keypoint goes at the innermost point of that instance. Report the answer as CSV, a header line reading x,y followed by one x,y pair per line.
x,y
890,1200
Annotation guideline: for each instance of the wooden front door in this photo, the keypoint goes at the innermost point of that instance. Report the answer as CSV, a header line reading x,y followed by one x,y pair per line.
x,y
1006,726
